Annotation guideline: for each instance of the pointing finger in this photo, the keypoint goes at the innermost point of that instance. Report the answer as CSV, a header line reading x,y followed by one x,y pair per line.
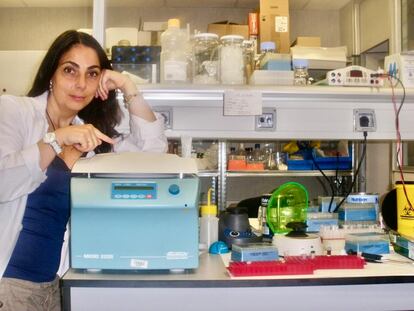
x,y
103,137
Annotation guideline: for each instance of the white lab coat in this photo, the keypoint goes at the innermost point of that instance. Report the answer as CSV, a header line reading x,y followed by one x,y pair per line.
x,y
22,124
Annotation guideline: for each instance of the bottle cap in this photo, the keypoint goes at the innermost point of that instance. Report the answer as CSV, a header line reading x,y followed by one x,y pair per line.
x,y
209,209
298,62
206,36
232,38
174,22
267,46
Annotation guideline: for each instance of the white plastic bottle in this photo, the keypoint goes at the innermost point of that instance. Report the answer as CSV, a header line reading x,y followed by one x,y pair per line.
x,y
208,223
174,58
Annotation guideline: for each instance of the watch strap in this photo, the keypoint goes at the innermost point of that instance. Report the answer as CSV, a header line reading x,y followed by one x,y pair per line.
x,y
50,139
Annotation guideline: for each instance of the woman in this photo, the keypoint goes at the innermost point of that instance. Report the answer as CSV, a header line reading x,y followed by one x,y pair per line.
x,y
70,111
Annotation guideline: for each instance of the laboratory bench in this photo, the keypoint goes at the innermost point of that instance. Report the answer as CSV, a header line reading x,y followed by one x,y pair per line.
x,y
379,286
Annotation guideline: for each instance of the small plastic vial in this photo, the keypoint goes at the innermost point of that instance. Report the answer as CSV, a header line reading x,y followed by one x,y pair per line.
x,y
300,72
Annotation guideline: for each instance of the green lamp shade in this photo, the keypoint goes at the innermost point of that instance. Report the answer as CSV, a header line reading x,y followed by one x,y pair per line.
x,y
288,203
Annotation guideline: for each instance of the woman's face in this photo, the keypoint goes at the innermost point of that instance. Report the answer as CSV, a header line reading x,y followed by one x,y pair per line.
x,y
76,78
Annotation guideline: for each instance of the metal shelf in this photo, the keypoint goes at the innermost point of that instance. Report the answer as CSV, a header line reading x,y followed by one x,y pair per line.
x,y
312,113
286,173
208,174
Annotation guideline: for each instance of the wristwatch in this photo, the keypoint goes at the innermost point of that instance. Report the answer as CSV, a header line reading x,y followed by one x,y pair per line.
x,y
50,138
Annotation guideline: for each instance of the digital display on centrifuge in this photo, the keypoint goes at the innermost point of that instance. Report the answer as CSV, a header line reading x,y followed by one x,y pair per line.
x,y
355,74
133,188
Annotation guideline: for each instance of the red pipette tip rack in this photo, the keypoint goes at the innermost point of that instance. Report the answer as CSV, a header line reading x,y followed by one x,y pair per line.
x,y
294,265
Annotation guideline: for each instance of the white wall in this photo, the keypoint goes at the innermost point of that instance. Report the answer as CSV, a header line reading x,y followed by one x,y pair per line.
x,y
375,22
324,24
35,28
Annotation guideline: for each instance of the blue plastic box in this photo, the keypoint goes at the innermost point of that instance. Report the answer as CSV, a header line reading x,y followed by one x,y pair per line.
x,y
369,242
324,163
254,252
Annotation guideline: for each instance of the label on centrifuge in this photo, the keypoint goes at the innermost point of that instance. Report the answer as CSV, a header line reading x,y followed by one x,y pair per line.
x,y
139,263
177,255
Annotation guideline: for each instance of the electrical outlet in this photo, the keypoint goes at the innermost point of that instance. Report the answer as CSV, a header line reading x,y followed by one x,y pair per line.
x,y
364,120
266,121
167,114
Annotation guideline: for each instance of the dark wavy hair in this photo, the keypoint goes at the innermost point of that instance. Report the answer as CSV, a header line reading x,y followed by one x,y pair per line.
x,y
104,115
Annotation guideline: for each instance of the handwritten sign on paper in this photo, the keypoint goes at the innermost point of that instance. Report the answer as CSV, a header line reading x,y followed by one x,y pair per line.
x,y
242,103
281,24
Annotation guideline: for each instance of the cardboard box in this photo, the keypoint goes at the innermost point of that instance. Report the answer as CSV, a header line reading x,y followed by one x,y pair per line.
x,y
223,29
274,23
154,26
307,41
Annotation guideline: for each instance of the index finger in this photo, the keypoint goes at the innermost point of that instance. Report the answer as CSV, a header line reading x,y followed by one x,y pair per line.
x,y
103,137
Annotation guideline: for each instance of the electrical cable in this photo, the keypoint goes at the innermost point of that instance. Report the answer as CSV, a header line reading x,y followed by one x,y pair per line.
x,y
327,179
398,132
331,183
364,150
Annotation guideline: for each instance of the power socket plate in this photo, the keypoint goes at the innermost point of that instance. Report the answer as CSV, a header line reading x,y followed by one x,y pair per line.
x,y
167,113
364,120
266,121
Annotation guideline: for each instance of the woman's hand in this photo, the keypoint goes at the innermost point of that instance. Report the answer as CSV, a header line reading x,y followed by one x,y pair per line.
x,y
111,80
137,106
83,137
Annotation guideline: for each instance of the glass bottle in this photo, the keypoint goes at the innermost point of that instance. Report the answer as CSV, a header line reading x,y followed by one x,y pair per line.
x,y
232,66
205,58
249,55
300,72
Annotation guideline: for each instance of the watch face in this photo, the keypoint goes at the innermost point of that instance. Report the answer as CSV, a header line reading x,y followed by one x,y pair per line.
x,y
49,137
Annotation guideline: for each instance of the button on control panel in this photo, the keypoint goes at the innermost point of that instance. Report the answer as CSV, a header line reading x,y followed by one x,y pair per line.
x,y
174,189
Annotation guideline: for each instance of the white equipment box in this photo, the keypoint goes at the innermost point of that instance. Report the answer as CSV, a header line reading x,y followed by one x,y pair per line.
x,y
354,76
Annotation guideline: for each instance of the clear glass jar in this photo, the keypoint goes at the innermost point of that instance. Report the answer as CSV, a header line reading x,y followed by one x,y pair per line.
x,y
205,58
300,72
232,60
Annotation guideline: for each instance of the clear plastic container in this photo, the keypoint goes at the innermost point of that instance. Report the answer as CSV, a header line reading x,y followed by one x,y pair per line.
x,y
300,72
205,58
208,223
232,60
289,203
174,56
